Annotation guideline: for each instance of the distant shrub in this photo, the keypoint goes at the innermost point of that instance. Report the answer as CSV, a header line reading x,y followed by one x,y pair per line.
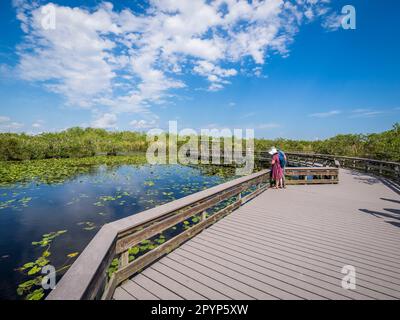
x,y
79,143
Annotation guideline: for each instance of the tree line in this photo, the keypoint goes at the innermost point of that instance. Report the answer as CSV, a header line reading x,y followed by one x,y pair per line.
x,y
79,142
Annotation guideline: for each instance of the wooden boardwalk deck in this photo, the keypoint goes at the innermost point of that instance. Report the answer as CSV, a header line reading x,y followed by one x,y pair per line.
x,y
288,244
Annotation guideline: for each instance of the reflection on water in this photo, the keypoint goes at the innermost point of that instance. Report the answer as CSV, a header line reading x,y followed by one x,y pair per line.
x,y
81,206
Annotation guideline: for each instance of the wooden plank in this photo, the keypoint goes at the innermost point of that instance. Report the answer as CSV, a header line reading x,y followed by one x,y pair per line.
x,y
185,280
307,234
121,294
283,256
355,248
320,281
273,282
152,286
376,288
203,278
253,284
351,245
385,237
137,291
109,288
363,265
217,272
315,181
124,259
174,286
299,258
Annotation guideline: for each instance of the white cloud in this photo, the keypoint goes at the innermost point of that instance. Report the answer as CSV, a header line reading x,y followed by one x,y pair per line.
x,y
6,124
325,114
215,74
4,119
332,22
38,124
365,113
127,61
143,124
72,59
105,121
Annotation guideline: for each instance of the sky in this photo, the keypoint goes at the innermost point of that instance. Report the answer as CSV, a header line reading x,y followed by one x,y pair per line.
x,y
285,68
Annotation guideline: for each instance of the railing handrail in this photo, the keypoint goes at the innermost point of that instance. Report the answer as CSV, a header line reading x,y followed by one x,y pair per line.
x,y
79,277
143,217
336,157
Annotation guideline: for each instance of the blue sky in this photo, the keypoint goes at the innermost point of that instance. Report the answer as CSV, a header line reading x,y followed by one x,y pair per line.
x,y
286,71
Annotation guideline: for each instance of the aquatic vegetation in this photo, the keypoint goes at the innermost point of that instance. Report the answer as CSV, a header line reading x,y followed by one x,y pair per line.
x,y
77,199
72,255
149,183
59,170
84,201
38,294
104,199
33,268
113,267
6,204
87,225
26,289
15,203
48,238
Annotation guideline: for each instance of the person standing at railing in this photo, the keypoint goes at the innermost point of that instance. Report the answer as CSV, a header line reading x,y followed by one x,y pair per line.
x,y
276,169
283,162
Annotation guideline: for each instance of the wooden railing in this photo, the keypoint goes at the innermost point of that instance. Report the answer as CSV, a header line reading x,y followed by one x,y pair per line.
x,y
311,175
386,169
87,278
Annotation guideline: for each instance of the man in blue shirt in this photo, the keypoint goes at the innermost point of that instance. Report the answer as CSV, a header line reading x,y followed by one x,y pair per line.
x,y
283,163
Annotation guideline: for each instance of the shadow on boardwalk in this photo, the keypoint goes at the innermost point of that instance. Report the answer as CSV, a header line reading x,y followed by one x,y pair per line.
x,y
388,213
372,179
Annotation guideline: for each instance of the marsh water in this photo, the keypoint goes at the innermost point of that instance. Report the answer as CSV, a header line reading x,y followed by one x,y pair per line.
x,y
51,222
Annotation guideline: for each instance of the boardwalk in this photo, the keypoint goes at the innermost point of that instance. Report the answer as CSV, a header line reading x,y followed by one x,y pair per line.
x,y
288,244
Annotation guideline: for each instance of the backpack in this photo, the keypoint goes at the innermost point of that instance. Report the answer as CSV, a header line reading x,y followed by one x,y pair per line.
x,y
282,160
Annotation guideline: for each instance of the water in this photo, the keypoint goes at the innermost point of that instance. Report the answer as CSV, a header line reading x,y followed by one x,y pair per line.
x,y
81,206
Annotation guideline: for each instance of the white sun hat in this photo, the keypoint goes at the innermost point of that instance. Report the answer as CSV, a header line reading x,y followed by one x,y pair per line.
x,y
272,151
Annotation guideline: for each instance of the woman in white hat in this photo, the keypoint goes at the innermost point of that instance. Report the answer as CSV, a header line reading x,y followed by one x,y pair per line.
x,y
276,170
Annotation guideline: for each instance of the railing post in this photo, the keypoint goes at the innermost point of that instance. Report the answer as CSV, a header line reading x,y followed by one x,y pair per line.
x,y
124,259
